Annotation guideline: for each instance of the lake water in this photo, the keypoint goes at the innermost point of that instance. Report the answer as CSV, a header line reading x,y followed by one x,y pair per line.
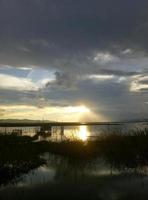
x,y
79,132
71,179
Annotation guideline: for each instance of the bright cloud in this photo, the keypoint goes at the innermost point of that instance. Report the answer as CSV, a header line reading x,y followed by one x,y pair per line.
x,y
126,52
104,58
100,77
78,109
15,83
35,80
54,113
139,83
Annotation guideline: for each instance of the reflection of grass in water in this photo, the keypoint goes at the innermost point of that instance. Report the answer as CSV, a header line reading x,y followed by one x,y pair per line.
x,y
18,155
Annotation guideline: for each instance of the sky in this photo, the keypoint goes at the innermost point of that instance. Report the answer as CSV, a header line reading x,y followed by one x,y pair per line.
x,y
74,60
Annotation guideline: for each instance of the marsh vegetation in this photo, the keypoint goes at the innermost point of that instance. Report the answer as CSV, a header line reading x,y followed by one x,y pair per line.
x,y
122,154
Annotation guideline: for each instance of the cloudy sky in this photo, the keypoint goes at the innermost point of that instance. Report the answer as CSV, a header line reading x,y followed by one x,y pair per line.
x,y
74,60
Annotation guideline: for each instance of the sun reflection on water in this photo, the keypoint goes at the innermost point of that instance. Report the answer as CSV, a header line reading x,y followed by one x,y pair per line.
x,y
82,133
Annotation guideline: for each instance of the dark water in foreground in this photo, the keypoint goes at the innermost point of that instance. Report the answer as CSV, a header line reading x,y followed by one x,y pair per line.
x,y
72,179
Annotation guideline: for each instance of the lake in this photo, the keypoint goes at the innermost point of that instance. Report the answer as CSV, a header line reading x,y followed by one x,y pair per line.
x,y
79,132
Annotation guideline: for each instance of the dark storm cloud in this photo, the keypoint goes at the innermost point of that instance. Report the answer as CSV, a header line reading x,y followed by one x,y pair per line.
x,y
63,80
118,72
38,32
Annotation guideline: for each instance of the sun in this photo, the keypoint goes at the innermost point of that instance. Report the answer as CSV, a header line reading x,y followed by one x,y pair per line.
x,y
75,113
77,109
82,133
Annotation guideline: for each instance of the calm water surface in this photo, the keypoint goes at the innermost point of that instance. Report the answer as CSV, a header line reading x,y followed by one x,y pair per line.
x,y
80,132
69,178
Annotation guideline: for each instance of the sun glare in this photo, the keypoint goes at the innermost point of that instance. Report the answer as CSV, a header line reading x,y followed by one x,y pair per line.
x,y
77,109
83,133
